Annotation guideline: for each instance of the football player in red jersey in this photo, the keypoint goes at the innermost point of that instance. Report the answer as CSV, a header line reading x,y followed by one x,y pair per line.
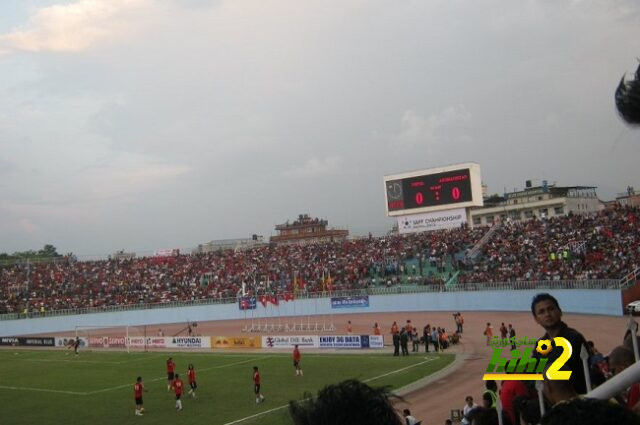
x,y
177,386
256,385
138,388
191,373
171,368
296,360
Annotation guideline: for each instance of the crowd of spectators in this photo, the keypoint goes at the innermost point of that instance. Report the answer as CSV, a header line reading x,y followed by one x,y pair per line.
x,y
70,284
605,245
600,246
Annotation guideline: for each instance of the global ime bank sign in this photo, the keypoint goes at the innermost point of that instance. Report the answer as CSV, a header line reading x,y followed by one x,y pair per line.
x,y
521,366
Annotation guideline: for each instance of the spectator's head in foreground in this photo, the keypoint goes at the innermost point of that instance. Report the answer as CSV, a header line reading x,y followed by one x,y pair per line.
x,y
526,410
557,391
620,359
347,403
483,416
585,411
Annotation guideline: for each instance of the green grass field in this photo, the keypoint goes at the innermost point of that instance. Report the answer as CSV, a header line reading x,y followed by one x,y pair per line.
x,y
51,387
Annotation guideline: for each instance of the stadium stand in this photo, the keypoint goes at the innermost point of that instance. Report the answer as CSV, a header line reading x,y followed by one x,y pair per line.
x,y
576,247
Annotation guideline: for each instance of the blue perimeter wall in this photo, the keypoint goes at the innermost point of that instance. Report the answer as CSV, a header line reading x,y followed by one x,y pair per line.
x,y
605,302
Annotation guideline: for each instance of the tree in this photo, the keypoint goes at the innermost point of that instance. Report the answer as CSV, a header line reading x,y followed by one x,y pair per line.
x,y
47,252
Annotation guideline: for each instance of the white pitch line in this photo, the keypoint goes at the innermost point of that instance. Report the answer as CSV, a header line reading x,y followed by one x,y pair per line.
x,y
67,361
75,360
142,358
398,370
236,363
256,415
119,386
286,405
104,390
44,390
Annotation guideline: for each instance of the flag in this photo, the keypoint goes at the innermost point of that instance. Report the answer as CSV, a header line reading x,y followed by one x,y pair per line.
x,y
301,283
295,282
288,296
329,283
264,300
247,303
274,299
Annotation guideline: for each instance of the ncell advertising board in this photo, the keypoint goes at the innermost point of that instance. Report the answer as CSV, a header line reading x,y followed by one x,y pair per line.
x,y
148,342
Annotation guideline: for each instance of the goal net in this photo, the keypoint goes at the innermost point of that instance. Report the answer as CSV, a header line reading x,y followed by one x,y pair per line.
x,y
129,338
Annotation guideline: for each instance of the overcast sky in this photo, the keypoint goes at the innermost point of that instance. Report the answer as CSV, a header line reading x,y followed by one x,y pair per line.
x,y
146,124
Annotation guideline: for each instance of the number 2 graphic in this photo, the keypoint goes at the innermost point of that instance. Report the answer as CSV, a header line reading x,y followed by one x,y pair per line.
x,y
554,371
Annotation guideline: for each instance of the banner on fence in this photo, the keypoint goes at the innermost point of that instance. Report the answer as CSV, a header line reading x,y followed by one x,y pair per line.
x,y
148,342
235,342
351,341
288,341
107,341
247,303
9,341
372,341
188,342
65,341
350,302
28,342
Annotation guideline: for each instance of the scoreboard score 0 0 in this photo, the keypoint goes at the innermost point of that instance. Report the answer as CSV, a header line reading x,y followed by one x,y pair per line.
x,y
432,190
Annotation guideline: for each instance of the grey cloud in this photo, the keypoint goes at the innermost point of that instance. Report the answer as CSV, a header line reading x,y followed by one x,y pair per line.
x,y
7,166
258,111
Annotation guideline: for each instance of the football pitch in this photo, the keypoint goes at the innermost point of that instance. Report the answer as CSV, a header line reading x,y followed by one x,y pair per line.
x,y
53,387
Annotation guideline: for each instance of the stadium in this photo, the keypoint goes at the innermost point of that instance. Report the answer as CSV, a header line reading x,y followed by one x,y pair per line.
x,y
348,304
319,213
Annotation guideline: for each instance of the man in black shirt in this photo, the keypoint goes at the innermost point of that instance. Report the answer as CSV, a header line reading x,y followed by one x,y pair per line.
x,y
512,336
547,313
396,344
76,344
404,342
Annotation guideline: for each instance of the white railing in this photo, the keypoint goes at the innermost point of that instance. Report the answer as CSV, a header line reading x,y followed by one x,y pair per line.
x,y
473,252
630,279
617,384
578,247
